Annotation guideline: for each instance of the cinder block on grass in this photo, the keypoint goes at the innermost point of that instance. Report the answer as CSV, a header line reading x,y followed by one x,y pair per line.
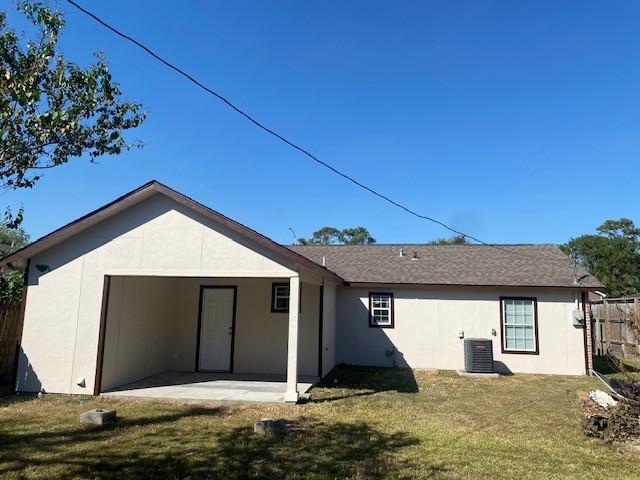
x,y
98,417
269,426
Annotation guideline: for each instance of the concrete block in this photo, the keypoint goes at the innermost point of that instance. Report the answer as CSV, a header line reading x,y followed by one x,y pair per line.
x,y
98,417
464,373
269,426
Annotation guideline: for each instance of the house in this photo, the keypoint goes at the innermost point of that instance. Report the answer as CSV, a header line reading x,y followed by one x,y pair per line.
x,y
156,282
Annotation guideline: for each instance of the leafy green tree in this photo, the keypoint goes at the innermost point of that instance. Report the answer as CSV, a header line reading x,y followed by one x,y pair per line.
x,y
52,110
323,236
455,240
12,237
11,283
612,255
333,236
620,228
356,236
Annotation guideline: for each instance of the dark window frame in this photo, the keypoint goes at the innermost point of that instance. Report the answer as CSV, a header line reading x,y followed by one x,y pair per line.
x,y
392,309
503,348
274,285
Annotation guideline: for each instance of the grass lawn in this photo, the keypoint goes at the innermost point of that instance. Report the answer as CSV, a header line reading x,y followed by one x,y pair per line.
x,y
361,423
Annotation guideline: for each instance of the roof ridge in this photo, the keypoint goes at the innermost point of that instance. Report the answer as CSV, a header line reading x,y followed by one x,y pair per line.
x,y
490,245
133,197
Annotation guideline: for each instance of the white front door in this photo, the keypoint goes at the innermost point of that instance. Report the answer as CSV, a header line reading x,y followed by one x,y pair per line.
x,y
216,329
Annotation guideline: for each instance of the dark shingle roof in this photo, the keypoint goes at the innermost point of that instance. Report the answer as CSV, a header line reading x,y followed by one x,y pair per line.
x,y
506,265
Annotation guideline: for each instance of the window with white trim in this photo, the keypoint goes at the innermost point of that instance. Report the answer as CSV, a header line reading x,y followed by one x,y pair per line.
x,y
381,310
280,297
519,325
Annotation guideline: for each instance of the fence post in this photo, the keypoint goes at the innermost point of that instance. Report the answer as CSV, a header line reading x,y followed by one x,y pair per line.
x,y
597,329
636,306
607,327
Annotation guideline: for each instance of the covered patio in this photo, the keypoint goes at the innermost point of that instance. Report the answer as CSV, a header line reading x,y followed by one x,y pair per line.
x,y
204,387
239,339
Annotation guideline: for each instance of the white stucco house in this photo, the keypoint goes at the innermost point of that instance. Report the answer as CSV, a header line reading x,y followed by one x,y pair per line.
x,y
156,282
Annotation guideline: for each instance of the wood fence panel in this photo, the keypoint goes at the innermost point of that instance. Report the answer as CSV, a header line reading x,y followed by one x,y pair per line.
x,y
9,315
610,332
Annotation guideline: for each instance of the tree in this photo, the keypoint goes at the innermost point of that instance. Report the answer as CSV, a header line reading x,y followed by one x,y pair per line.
x,y
620,228
332,236
323,236
356,236
612,255
52,110
12,237
455,240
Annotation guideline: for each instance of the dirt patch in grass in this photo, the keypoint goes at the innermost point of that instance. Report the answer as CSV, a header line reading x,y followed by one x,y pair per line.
x,y
360,423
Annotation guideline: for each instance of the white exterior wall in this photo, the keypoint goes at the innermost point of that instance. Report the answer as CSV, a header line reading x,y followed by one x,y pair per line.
x,y
155,237
427,320
329,343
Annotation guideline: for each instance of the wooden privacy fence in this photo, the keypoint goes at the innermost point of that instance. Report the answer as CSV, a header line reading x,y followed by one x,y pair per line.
x,y
9,314
610,330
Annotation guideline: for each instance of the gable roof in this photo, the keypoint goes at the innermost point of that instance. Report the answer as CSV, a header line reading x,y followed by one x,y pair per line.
x,y
477,265
19,257
473,265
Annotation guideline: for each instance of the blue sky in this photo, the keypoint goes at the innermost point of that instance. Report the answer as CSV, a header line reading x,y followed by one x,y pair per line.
x,y
516,122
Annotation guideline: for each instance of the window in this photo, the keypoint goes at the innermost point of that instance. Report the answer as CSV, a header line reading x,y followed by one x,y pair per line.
x,y
280,297
519,318
381,310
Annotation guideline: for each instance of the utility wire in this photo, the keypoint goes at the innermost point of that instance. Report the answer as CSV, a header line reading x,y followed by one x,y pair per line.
x,y
299,148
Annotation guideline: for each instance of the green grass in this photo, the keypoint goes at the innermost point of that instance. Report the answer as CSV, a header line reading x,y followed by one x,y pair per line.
x,y
360,423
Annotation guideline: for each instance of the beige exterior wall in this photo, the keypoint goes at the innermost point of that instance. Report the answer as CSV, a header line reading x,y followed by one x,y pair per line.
x,y
159,252
157,237
141,322
329,343
261,335
427,320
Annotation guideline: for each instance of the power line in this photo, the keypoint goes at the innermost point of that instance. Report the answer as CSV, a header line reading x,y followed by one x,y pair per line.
x,y
298,147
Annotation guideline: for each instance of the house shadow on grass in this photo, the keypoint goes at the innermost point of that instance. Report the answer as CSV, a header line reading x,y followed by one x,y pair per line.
x,y
161,447
79,450
93,432
317,449
346,381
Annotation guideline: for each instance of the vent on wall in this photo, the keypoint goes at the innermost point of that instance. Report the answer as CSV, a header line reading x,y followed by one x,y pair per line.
x,y
478,355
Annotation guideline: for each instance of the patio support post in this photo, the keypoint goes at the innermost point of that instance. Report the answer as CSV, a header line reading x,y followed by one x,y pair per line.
x,y
291,394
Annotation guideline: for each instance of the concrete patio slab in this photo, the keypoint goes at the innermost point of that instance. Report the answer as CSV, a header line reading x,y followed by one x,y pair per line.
x,y
202,386
464,373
